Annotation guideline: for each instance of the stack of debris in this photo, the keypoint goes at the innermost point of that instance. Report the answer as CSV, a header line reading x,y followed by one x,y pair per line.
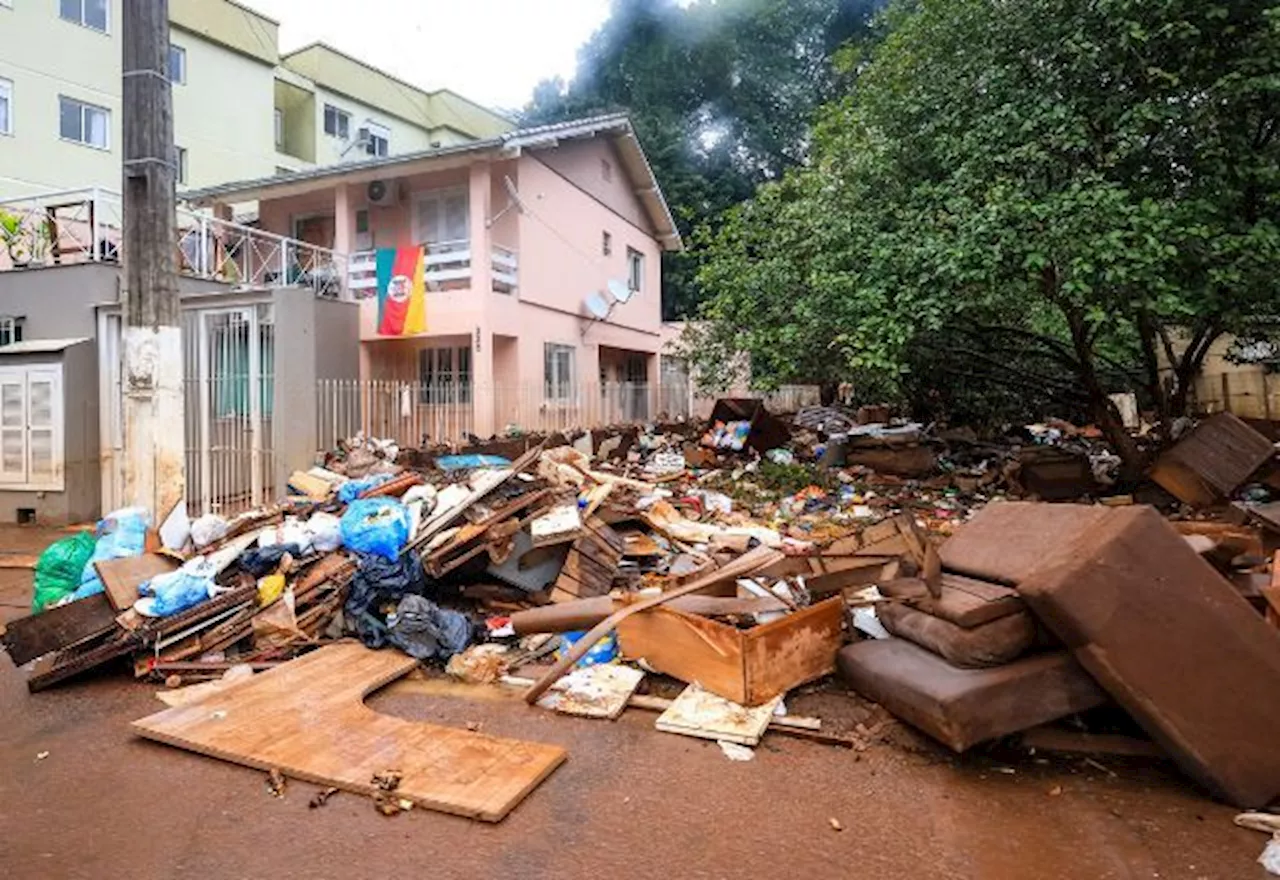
x,y
738,558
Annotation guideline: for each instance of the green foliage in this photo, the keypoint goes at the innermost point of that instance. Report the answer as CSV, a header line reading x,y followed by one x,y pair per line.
x,y
1091,174
722,94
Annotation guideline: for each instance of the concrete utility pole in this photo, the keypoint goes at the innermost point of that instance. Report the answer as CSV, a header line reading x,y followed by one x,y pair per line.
x,y
154,446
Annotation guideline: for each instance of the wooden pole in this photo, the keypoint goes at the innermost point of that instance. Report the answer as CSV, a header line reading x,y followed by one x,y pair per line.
x,y
154,465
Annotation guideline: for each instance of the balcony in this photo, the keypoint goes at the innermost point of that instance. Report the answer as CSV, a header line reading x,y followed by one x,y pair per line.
x,y
86,226
448,267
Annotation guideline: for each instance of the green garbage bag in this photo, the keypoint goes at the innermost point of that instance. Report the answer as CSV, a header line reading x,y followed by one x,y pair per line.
x,y
59,567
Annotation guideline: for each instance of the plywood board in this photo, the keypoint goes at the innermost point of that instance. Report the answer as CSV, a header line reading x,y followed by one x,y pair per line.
x,y
700,713
599,691
122,577
688,647
792,650
307,719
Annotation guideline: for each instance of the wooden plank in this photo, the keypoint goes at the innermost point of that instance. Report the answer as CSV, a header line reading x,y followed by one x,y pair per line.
x,y
122,577
308,720
30,637
599,691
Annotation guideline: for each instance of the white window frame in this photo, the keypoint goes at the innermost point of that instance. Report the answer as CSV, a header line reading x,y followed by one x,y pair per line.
x,y
442,196
557,375
376,132
342,120
85,106
180,164
635,270
6,92
22,478
279,128
106,25
10,327
181,78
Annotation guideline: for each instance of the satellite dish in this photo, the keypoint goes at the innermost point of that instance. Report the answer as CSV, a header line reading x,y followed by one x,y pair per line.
x,y
620,290
596,306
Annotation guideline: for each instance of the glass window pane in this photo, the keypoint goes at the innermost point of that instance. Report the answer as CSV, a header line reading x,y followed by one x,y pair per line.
x,y
11,415
177,64
6,101
456,223
12,451
69,119
70,10
41,415
95,14
96,122
41,453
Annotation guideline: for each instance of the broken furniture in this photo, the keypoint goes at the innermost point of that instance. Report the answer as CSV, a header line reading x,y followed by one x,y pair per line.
x,y
1212,461
766,431
307,720
963,707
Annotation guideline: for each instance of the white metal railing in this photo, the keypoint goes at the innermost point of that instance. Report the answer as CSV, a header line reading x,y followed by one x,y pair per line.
x,y
447,266
415,414
86,226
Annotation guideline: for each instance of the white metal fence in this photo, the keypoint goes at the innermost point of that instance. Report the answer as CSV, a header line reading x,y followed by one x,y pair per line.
x,y
415,414
86,226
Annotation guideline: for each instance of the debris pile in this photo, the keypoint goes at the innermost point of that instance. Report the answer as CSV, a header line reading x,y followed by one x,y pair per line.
x,y
726,564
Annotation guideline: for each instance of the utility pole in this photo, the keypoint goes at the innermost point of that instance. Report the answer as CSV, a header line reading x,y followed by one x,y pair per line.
x,y
154,447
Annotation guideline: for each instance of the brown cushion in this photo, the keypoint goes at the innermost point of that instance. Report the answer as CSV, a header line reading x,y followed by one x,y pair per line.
x,y
988,644
962,707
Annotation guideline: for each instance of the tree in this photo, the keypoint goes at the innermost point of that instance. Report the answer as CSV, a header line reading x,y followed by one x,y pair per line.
x,y
721,92
1097,178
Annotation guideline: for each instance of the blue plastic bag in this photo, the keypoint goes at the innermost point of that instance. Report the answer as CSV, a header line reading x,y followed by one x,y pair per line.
x,y
120,533
350,490
376,525
178,591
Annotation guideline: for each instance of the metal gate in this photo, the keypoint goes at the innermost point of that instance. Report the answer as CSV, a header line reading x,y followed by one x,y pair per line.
x,y
229,398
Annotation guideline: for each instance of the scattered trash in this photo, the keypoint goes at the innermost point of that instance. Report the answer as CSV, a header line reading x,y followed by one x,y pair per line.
x,y
321,798
735,752
835,824
275,783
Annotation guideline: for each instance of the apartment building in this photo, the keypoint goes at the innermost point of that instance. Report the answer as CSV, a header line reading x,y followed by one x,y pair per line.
x,y
241,109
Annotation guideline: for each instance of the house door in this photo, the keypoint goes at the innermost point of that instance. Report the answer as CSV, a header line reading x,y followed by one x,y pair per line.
x,y
635,389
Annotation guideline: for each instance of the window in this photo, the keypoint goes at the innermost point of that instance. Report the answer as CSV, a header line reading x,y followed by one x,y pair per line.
x,y
337,123
635,269
606,170
445,374
89,13
10,328
83,123
180,164
177,65
6,106
606,243
279,127
31,427
442,217
557,371
377,139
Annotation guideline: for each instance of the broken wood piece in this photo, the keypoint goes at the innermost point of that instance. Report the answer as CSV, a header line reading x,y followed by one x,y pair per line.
x,y
1054,739
599,691
747,564
700,713
122,577
313,702
559,525
748,666
57,628
1212,461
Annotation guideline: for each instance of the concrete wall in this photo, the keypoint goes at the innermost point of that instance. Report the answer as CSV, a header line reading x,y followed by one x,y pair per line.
x,y
79,499
582,163
405,136
314,339
223,114
58,301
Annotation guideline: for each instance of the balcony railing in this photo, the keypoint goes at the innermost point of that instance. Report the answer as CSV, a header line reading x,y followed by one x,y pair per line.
x,y
447,267
87,226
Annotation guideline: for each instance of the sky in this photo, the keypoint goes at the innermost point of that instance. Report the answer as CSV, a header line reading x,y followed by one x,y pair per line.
x,y
491,51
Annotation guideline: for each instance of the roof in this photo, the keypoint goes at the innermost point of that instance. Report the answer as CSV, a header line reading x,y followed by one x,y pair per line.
x,y
347,75
40,346
230,24
616,126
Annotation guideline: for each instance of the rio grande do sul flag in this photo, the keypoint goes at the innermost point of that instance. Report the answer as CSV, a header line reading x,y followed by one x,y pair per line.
x,y
402,300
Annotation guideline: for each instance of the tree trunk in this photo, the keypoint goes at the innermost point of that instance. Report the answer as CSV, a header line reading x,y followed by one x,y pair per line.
x,y
1104,411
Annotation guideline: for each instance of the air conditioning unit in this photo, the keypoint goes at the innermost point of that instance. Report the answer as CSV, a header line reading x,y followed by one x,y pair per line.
x,y
383,193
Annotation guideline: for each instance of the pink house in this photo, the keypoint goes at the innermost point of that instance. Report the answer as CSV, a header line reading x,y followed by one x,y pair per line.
x,y
543,270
